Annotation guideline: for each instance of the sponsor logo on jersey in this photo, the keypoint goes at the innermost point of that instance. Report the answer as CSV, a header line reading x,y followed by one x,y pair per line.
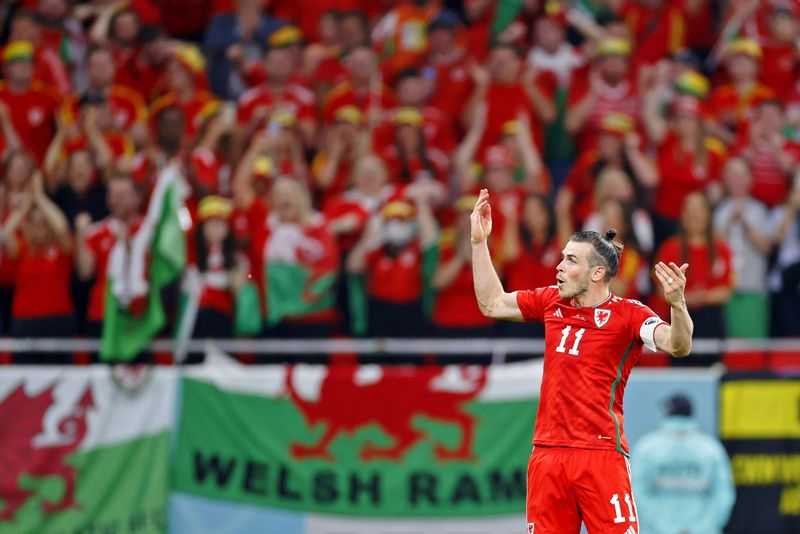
x,y
558,314
651,321
601,317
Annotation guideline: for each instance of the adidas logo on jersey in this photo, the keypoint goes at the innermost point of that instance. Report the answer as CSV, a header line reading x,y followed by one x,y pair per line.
x,y
630,530
558,314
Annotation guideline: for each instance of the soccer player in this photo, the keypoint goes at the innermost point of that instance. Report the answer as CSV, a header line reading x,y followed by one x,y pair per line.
x,y
578,470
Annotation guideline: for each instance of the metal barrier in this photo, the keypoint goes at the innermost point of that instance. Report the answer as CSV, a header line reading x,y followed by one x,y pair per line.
x,y
499,348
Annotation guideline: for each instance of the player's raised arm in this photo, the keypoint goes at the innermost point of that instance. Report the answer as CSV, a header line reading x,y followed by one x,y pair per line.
x,y
493,301
676,338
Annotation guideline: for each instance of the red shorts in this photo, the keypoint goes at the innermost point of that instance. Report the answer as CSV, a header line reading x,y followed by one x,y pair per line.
x,y
567,486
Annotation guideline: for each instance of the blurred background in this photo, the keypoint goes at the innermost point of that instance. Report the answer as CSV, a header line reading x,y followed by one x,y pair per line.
x,y
235,280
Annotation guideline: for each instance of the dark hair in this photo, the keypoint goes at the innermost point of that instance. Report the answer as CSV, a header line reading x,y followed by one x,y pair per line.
x,y
711,243
422,154
228,250
606,251
526,235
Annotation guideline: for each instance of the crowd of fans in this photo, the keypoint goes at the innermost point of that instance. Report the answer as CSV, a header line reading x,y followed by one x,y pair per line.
x,y
331,151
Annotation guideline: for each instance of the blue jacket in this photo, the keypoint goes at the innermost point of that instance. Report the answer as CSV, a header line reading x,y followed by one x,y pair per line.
x,y
682,481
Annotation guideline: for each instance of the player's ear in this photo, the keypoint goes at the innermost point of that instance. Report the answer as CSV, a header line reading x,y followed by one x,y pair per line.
x,y
598,273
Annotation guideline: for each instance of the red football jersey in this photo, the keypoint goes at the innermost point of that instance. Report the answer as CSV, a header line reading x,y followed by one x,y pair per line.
x,y
589,354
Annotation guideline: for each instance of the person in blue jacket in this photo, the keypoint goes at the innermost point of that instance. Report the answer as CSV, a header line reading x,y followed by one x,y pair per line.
x,y
682,479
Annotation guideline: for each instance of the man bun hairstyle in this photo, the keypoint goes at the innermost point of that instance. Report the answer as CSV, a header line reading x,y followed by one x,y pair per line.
x,y
606,251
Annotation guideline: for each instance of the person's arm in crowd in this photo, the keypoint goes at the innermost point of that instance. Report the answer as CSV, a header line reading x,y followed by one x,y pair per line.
x,y
510,237
481,79
493,300
52,214
99,32
213,130
531,159
334,153
578,115
644,169
54,166
428,229
241,186
103,155
466,151
674,338
543,106
299,165
85,262
742,11
655,124
7,129
752,229
11,227
563,215
586,25
373,237
790,211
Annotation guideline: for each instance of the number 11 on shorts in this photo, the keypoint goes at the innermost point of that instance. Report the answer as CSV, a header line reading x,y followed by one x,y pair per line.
x,y
619,518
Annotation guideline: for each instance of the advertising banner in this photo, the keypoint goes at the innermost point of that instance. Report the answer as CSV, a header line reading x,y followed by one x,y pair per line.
x,y
85,449
760,426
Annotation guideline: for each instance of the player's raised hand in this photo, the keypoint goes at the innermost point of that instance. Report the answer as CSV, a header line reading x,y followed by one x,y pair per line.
x,y
673,280
481,219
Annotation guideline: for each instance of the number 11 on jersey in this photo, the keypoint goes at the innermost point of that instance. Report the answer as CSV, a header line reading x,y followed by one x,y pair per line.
x,y
564,335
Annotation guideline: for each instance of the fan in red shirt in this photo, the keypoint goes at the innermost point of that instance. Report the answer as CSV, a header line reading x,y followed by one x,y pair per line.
x,y
363,90
30,105
408,156
36,237
219,269
446,69
578,470
730,105
411,90
333,164
530,252
95,241
279,92
48,67
656,26
455,312
128,110
608,87
509,93
780,62
688,160
186,80
713,277
394,258
772,157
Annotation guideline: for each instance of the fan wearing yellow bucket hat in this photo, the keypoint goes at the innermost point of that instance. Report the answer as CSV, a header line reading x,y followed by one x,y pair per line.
x,y
219,268
730,104
186,79
29,118
607,88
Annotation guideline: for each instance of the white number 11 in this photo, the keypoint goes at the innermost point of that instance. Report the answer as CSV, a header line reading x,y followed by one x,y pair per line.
x,y
618,509
565,334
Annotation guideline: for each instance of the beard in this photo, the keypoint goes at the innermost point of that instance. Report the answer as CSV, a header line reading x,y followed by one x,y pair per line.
x,y
570,290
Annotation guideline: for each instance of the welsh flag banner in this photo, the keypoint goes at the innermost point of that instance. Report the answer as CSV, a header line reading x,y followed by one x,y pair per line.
x,y
85,449
357,449
301,266
139,268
